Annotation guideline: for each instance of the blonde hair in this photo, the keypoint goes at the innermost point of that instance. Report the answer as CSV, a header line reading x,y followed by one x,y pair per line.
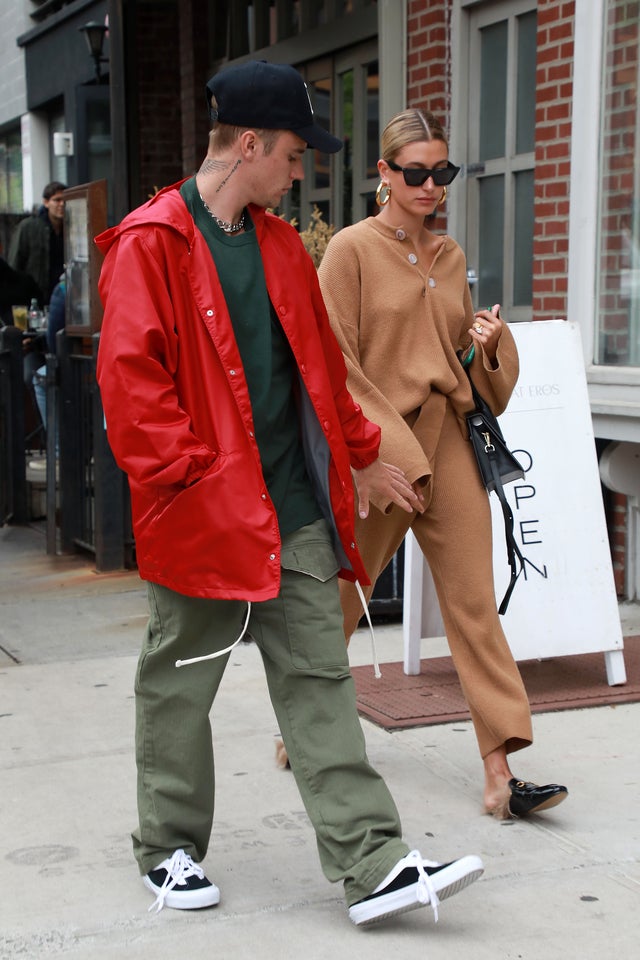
x,y
410,126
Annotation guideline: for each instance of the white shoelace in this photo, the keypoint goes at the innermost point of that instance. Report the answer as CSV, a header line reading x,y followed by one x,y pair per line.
x,y
219,653
426,891
178,868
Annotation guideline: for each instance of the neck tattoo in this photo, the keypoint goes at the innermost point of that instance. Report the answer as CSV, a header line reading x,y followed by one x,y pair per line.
x,y
224,225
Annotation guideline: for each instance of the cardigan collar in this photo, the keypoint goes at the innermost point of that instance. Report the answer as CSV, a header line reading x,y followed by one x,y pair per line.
x,y
397,233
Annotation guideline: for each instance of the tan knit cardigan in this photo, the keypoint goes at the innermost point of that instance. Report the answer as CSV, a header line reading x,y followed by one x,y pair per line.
x,y
399,330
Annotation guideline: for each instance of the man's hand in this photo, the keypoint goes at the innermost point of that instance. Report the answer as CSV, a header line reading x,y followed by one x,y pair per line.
x,y
384,481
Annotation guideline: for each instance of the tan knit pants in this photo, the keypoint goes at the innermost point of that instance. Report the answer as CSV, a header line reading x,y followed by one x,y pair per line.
x,y
454,534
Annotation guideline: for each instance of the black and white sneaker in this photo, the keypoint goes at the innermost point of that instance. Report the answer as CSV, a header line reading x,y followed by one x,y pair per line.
x,y
415,882
180,883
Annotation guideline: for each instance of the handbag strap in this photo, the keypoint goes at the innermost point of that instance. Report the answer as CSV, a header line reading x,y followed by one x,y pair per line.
x,y
514,556
513,550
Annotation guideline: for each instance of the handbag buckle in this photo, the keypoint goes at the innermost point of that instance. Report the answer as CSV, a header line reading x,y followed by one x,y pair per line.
x,y
487,440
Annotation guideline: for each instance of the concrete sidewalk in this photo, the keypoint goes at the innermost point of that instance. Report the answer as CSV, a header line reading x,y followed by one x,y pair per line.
x,y
565,884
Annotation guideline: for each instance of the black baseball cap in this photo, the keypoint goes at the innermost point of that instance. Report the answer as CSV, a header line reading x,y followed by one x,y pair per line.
x,y
268,96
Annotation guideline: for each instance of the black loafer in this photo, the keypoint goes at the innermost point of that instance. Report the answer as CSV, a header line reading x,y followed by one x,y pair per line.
x,y
530,798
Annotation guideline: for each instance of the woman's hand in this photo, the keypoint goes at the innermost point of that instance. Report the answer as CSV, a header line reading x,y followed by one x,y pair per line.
x,y
385,481
486,330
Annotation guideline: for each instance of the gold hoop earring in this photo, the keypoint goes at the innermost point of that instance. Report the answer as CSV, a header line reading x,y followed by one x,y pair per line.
x,y
383,194
443,197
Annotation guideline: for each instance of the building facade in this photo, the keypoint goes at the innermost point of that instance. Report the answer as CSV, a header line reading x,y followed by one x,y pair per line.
x,y
540,100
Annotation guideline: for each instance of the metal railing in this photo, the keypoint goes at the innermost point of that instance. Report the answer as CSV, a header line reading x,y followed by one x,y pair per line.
x,y
13,483
87,500
94,504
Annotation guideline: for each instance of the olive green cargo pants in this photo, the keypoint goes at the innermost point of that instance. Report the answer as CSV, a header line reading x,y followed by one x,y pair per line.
x,y
301,640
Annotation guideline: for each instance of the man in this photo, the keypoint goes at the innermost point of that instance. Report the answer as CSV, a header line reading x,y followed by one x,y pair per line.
x,y
225,402
37,247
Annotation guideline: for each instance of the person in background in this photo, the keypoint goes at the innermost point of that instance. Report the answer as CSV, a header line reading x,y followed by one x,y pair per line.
x,y
398,300
225,401
37,243
55,323
37,249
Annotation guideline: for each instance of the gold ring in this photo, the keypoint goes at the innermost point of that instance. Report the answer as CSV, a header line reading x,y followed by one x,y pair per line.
x,y
478,328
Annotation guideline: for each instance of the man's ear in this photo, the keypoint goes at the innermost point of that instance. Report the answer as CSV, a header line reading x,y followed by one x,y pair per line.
x,y
249,143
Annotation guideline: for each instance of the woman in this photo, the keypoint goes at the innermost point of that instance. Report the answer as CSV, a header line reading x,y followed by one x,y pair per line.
x,y
399,303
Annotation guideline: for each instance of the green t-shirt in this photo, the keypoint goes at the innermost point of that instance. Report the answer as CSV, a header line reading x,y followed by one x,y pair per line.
x,y
268,362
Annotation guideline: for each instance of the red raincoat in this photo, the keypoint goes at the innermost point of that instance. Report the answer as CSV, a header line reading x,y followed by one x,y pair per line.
x,y
178,412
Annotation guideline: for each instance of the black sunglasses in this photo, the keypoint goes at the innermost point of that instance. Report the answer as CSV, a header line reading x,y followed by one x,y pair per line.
x,y
416,176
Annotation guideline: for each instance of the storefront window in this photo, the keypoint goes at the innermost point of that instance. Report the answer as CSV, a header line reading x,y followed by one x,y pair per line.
x,y
618,265
11,173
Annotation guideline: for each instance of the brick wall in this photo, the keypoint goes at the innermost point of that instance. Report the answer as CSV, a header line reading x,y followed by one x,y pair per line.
x,y
554,90
429,66
194,73
616,514
157,135
429,57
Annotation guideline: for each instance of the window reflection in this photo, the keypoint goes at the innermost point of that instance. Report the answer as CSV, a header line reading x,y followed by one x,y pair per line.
x,y
493,90
320,93
346,108
491,261
373,117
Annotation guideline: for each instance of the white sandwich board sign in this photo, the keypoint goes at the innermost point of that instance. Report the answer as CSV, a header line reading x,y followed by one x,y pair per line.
x,y
565,600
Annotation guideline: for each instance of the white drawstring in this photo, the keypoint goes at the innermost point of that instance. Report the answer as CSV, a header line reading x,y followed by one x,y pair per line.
x,y
219,653
376,668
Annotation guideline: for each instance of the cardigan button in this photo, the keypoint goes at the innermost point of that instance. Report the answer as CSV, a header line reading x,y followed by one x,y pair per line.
x,y
412,258
400,234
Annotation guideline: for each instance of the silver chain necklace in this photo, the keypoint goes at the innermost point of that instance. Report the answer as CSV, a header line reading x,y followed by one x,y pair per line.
x,y
224,225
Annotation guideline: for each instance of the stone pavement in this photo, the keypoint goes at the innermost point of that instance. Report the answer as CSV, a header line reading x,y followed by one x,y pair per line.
x,y
565,884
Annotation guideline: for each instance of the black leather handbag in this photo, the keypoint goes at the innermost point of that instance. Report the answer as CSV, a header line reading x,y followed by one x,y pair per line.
x,y
497,466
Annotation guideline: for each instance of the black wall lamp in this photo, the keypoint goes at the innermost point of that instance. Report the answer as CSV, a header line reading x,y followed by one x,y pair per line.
x,y
94,34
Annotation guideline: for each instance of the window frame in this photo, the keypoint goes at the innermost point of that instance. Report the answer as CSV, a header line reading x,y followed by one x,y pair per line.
x,y
614,391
